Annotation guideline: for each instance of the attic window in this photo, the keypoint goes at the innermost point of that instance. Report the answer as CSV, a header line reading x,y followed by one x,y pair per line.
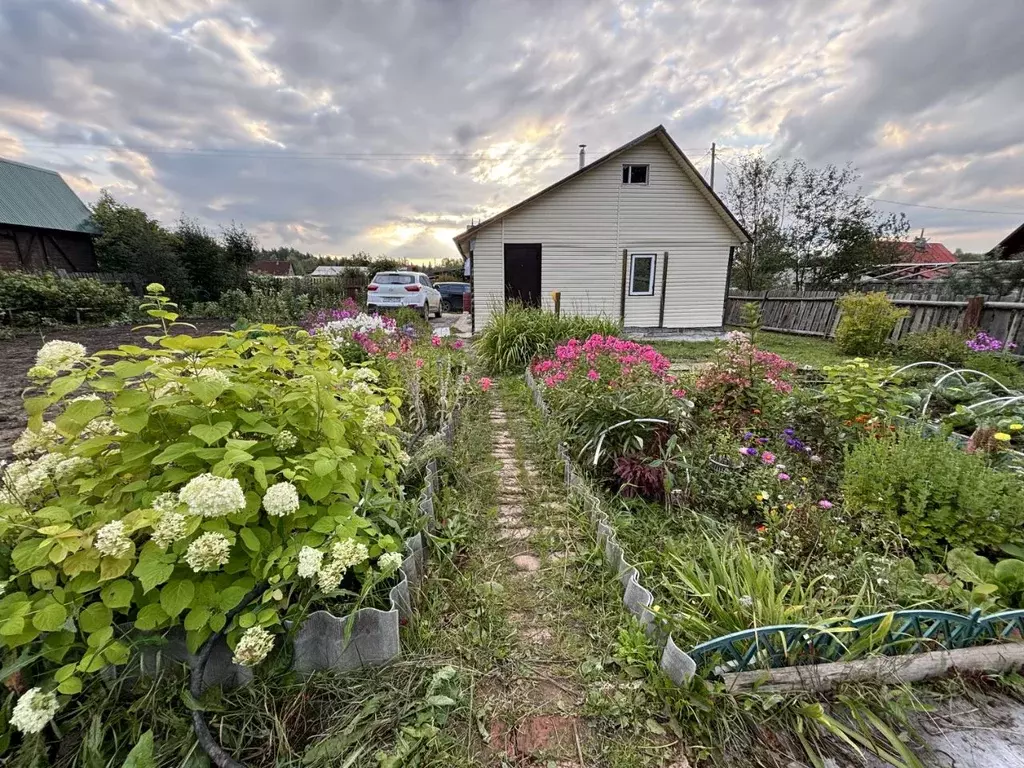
x,y
634,174
641,274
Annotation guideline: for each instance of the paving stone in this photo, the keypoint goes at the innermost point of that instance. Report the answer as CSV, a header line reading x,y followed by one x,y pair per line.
x,y
537,636
527,563
515,534
500,738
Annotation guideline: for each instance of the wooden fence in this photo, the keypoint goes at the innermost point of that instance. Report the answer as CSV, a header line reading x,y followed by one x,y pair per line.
x,y
816,313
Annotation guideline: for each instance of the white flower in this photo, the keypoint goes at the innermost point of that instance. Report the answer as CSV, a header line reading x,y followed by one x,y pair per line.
x,y
362,388
209,552
329,576
36,441
390,562
70,467
166,502
253,647
365,374
86,398
3,587
170,529
281,499
284,441
746,601
60,355
404,458
41,372
101,428
349,552
339,332
310,561
212,496
213,374
111,540
375,419
34,710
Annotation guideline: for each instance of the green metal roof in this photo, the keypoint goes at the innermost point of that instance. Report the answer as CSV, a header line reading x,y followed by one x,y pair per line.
x,y
38,198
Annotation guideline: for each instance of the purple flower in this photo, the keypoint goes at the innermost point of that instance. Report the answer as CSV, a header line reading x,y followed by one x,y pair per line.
x,y
783,476
789,432
762,440
748,451
794,444
747,435
768,457
825,504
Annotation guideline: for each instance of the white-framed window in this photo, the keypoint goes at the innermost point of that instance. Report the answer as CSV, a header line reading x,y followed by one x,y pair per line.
x,y
641,273
635,174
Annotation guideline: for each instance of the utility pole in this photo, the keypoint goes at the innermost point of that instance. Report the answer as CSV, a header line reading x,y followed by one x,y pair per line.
x,y
712,166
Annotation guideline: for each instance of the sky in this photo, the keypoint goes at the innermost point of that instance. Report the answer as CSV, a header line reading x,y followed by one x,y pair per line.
x,y
387,126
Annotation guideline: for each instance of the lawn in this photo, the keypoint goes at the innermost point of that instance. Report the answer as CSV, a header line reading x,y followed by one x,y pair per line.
x,y
803,350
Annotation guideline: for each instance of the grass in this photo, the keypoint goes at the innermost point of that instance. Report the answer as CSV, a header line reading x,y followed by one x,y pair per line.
x,y
803,350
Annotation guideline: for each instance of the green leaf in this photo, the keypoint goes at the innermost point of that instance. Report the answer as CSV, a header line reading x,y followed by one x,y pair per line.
x,y
319,487
94,618
212,434
197,618
249,539
50,616
117,594
114,567
130,398
141,755
175,451
133,422
70,686
206,390
154,567
176,596
79,413
64,672
65,385
322,467
150,617
230,597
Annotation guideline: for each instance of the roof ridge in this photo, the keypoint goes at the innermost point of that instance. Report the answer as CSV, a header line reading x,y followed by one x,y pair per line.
x,y
30,167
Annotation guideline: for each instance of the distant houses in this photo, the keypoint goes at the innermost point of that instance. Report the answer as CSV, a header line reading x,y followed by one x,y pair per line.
x,y
43,223
272,268
1011,246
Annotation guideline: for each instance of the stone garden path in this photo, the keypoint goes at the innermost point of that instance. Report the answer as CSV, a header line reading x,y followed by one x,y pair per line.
x,y
536,713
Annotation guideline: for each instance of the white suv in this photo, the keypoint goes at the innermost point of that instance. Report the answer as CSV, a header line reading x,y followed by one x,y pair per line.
x,y
388,290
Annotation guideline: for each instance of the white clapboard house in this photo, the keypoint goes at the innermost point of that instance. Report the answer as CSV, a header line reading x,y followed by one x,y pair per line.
x,y
637,236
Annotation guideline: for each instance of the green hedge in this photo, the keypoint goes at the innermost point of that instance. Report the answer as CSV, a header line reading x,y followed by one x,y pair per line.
x,y
43,298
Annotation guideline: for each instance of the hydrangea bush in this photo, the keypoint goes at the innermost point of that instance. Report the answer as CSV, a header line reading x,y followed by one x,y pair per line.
x,y
176,476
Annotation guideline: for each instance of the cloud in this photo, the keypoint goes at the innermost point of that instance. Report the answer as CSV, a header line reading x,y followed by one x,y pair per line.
x,y
385,127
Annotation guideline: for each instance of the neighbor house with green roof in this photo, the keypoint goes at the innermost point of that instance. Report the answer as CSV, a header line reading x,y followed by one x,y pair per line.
x,y
43,223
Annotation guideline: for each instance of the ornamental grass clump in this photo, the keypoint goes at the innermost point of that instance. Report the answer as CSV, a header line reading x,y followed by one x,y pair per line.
x,y
176,476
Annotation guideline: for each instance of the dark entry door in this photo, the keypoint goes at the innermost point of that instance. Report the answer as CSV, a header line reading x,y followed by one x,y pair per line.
x,y
522,274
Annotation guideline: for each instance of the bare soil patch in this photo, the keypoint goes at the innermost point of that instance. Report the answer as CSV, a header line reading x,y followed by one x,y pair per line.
x,y
19,354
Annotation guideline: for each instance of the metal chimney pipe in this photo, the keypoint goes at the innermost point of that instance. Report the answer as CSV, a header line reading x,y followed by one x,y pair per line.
x,y
583,155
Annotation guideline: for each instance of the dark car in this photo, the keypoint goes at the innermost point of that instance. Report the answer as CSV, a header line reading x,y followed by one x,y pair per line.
x,y
451,295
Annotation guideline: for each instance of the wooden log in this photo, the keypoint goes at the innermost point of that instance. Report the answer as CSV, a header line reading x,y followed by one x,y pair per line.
x,y
894,669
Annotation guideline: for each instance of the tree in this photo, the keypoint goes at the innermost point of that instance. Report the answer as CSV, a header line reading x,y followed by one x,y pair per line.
x,y
809,226
133,242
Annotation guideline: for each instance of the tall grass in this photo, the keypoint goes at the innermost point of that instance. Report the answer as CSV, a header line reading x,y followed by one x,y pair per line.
x,y
515,336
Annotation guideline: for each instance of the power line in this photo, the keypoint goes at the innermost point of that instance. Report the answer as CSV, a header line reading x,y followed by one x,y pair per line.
x,y
944,208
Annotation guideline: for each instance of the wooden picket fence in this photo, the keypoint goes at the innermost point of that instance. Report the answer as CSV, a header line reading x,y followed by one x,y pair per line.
x,y
816,313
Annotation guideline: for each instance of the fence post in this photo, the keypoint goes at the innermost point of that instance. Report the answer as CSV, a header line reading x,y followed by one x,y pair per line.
x,y
556,296
972,315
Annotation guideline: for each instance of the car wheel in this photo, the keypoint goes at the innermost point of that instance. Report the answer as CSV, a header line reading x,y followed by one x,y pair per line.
x,y
426,311
440,309
446,305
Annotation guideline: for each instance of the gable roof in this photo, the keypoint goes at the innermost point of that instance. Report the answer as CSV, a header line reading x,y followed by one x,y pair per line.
x,y
1012,244
928,253
271,267
673,149
41,199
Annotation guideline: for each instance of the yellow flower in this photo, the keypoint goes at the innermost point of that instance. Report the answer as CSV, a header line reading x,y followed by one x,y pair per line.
x,y
1002,437
1016,427
791,507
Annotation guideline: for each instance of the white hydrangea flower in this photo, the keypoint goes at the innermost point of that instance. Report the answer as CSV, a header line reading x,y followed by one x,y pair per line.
x,y
70,467
284,440
60,355
375,419
34,710
253,647
362,388
310,561
86,398
329,576
37,372
170,529
166,502
281,499
212,496
111,539
404,458
170,388
365,374
101,428
350,552
214,374
36,441
339,331
390,562
209,552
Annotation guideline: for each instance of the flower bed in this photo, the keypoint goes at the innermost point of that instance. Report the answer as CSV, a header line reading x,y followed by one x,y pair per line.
x,y
215,485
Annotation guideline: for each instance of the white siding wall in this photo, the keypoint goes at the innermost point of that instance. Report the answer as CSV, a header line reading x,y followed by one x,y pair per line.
x,y
585,225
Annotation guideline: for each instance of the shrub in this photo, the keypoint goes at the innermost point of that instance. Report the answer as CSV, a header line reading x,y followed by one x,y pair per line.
x,y
866,322
940,496
743,378
44,298
178,476
518,335
1005,369
600,389
941,345
270,300
856,393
